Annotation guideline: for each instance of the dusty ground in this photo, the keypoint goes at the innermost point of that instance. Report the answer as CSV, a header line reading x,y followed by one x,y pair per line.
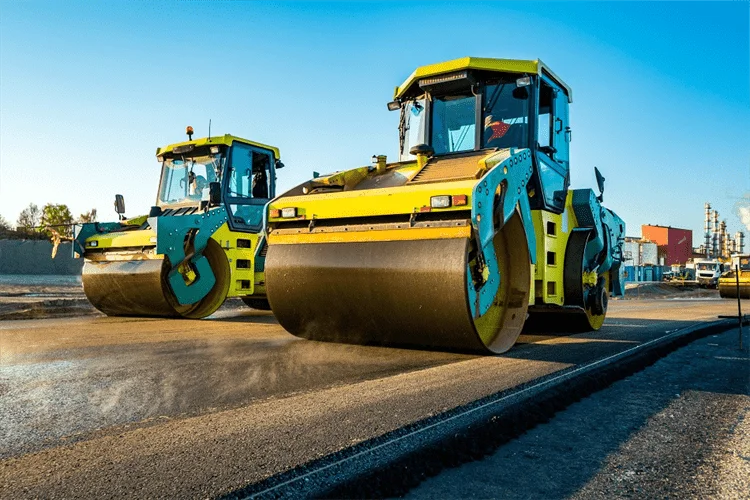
x,y
119,407
38,297
678,429
62,296
26,297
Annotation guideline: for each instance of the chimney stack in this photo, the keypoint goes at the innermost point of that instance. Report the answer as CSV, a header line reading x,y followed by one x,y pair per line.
x,y
739,242
707,231
715,236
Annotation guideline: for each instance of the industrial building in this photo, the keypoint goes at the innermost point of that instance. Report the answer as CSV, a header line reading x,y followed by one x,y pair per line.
x,y
641,260
675,245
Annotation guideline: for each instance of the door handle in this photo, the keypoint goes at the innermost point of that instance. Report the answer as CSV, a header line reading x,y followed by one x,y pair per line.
x,y
558,121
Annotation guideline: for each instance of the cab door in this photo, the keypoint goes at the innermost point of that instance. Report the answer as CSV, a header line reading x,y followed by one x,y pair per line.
x,y
553,145
561,133
248,186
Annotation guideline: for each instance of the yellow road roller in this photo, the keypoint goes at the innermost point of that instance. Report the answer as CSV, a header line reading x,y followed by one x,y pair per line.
x,y
470,232
730,284
202,241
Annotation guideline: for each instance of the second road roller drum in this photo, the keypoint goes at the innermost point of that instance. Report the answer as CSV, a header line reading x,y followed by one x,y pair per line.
x,y
127,288
141,288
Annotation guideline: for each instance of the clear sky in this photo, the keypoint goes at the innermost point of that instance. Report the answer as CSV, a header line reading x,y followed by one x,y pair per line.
x,y
88,91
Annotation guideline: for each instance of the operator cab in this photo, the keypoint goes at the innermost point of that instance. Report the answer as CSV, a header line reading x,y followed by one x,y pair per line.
x,y
225,170
478,109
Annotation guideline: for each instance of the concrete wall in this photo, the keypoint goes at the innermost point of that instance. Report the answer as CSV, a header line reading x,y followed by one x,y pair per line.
x,y
35,257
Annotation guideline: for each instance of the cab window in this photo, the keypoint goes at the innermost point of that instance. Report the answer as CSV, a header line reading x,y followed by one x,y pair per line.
x,y
250,174
544,123
412,126
553,136
505,113
453,123
249,185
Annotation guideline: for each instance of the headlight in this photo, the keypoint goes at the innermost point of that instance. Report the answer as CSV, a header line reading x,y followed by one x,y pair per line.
x,y
443,201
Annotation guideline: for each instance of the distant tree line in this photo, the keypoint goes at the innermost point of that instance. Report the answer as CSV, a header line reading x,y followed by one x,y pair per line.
x,y
33,223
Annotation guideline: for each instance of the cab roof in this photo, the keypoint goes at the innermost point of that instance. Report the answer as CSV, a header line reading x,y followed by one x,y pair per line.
x,y
519,66
226,140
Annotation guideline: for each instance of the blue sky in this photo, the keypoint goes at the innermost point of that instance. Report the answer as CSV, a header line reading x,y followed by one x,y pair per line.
x,y
88,91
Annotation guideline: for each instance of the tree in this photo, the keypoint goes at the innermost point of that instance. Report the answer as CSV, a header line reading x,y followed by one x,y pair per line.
x,y
88,216
29,218
59,218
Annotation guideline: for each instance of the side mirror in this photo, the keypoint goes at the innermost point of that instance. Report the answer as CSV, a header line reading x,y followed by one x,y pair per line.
x,y
279,164
520,93
214,193
600,183
120,205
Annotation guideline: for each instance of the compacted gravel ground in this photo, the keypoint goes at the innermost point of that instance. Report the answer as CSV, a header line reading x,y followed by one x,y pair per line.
x,y
678,429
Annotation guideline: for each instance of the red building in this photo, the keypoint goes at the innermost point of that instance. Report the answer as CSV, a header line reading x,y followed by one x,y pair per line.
x,y
674,244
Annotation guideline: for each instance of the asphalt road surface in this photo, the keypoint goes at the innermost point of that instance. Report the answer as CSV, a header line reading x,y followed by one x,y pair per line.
x,y
679,428
119,407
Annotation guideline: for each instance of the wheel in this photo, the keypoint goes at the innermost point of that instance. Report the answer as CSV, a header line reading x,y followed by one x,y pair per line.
x,y
584,287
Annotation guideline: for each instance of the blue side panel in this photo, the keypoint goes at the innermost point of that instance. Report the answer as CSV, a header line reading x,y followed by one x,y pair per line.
x,y
588,213
494,200
604,248
170,241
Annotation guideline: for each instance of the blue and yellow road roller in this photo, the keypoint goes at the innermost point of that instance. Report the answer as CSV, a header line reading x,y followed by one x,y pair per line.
x,y
473,230
202,241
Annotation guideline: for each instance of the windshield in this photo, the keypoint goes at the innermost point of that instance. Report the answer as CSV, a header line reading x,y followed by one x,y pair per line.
x,y
185,180
453,123
707,267
505,113
744,263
